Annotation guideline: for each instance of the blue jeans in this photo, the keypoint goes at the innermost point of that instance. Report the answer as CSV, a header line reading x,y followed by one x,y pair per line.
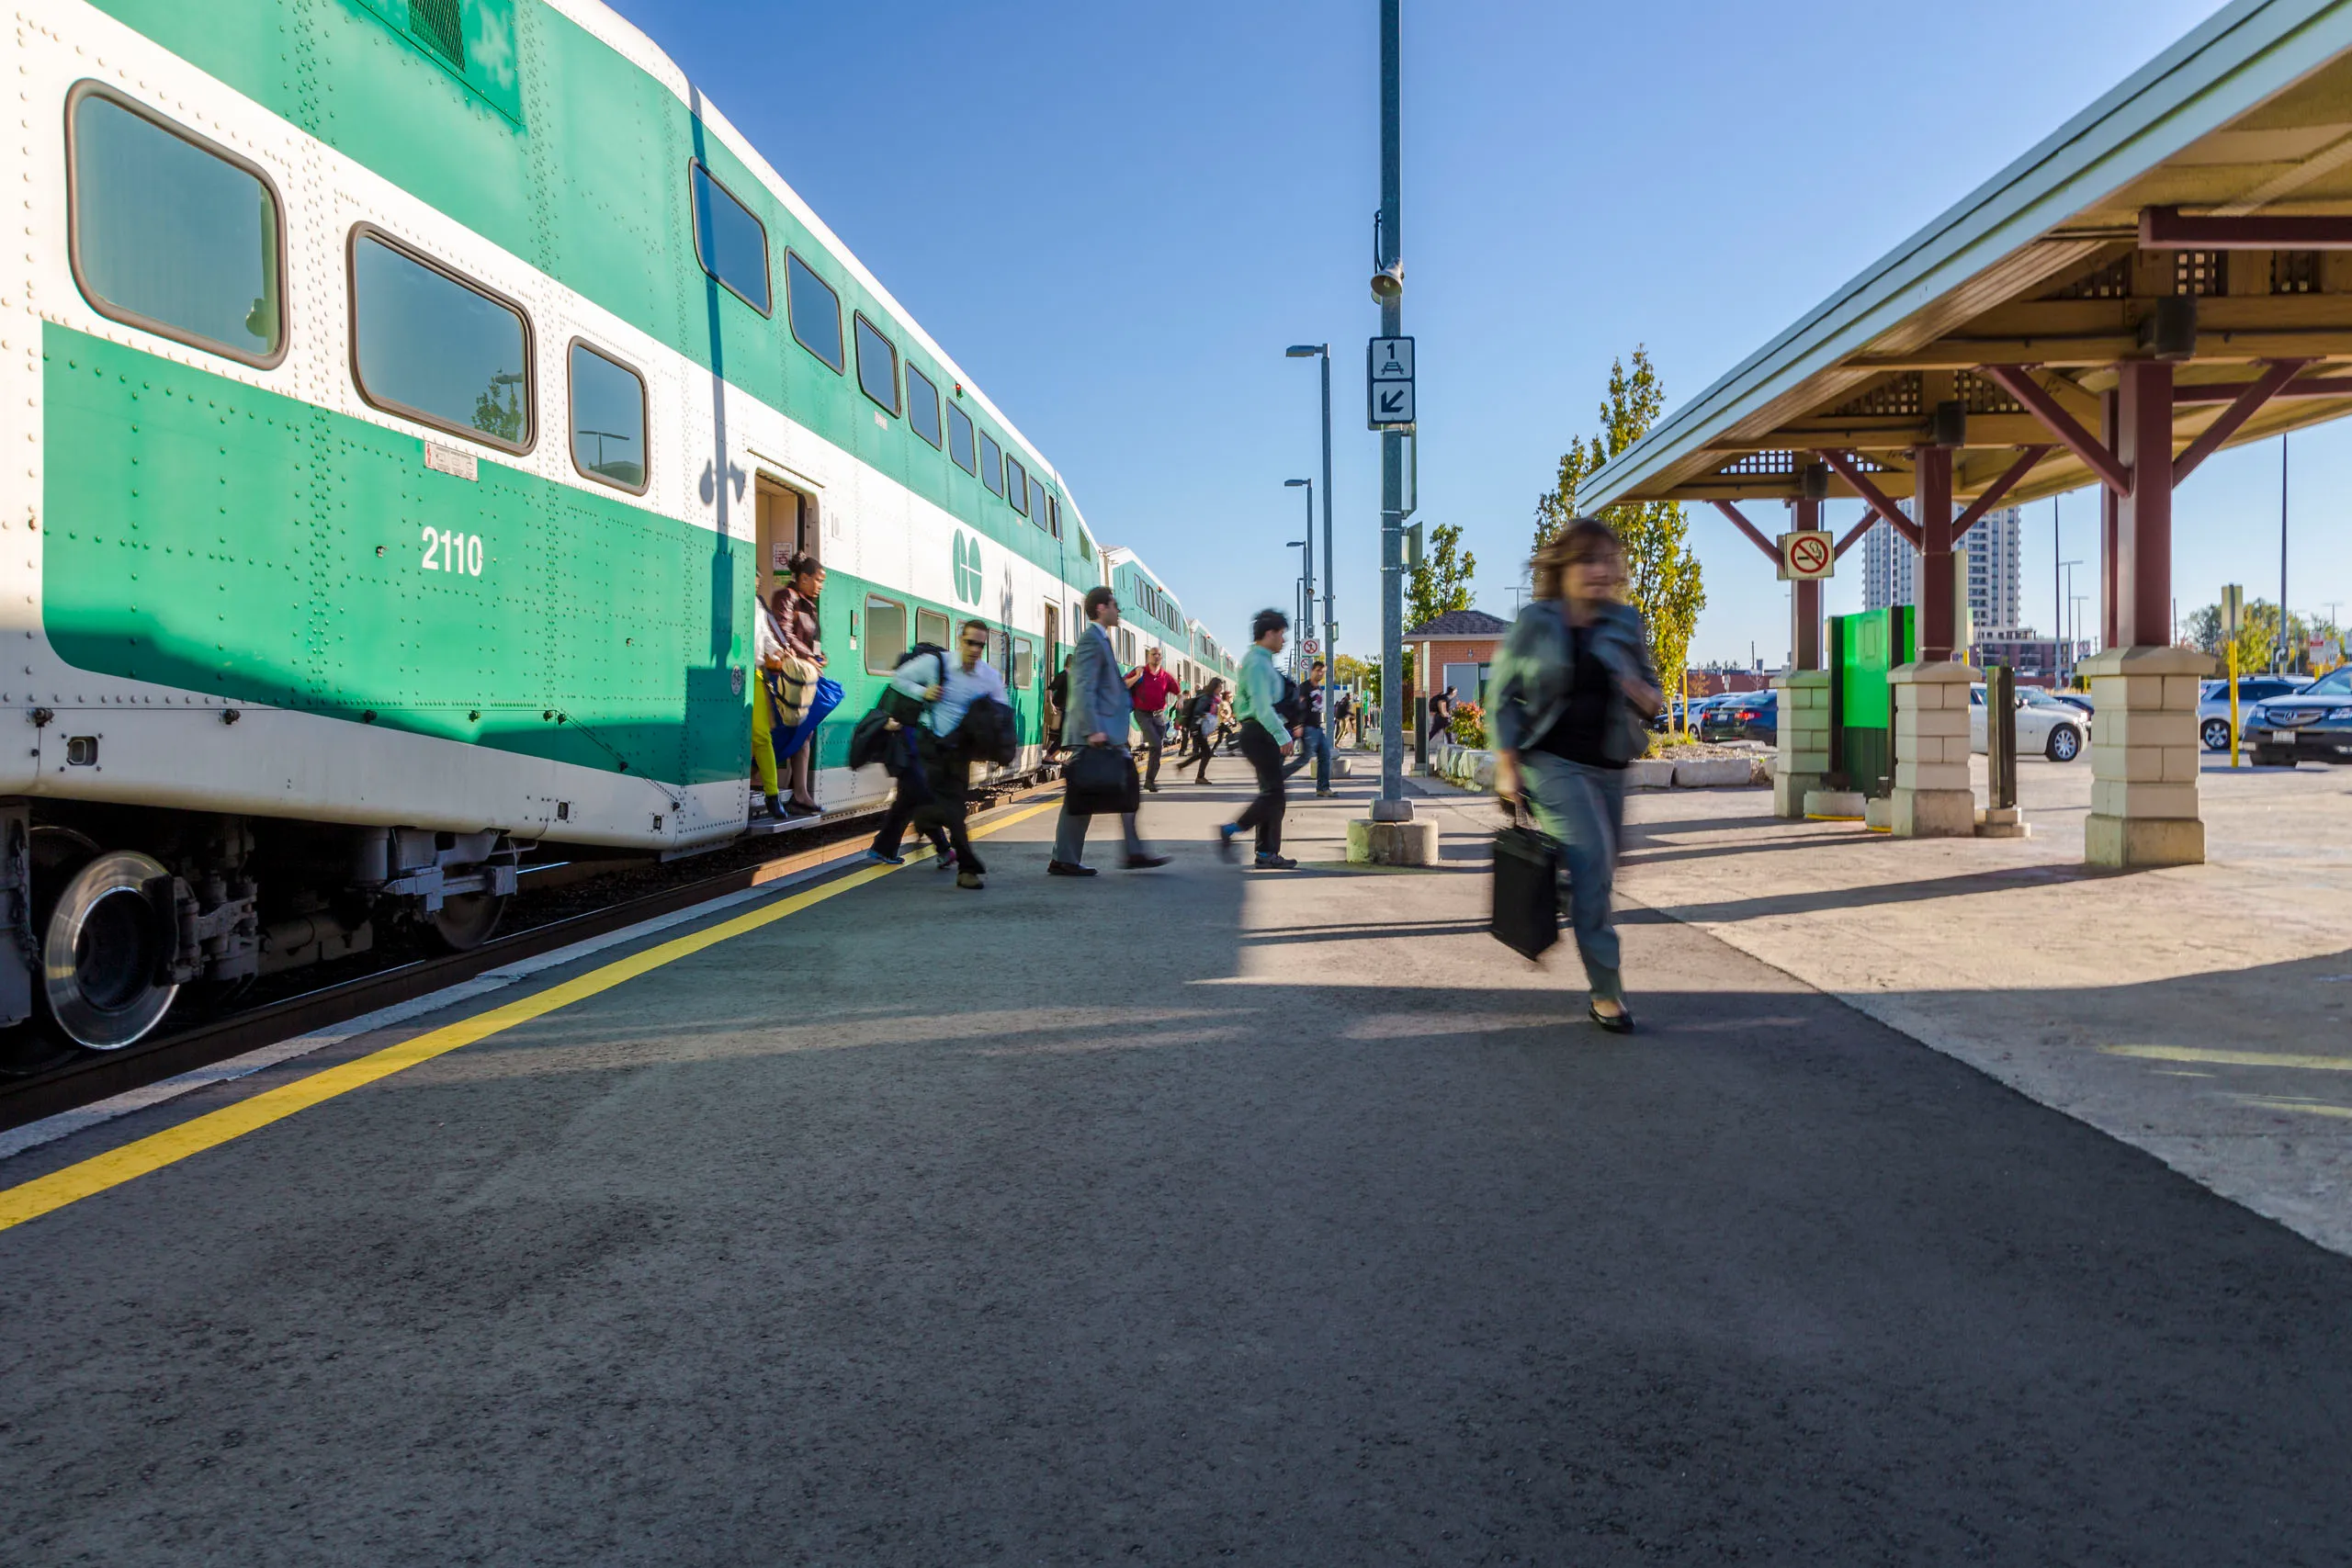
x,y
1316,746
1582,809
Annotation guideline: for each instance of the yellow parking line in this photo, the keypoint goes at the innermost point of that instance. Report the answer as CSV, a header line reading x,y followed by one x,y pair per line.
x,y
41,1195
2230,1058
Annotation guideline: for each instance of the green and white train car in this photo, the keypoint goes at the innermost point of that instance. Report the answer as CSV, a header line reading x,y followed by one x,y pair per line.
x,y
414,394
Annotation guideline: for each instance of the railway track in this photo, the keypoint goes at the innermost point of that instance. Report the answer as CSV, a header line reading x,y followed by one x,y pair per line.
x,y
86,1078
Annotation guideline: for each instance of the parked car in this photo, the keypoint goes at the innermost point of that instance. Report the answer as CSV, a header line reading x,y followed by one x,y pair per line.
x,y
2058,730
1746,715
1692,708
2310,724
2079,701
2214,704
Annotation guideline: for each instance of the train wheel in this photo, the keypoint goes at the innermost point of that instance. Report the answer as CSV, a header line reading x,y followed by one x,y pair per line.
x,y
465,922
101,947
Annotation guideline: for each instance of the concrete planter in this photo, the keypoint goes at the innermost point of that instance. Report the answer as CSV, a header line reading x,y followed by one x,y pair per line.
x,y
1713,772
1650,773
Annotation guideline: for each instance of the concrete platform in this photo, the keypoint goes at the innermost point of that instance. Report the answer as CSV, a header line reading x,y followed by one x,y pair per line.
x,y
1200,1215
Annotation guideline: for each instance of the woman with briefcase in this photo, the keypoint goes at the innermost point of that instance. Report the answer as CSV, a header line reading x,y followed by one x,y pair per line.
x,y
1575,690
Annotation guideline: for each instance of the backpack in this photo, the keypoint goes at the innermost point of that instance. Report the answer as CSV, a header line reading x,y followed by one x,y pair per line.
x,y
1292,704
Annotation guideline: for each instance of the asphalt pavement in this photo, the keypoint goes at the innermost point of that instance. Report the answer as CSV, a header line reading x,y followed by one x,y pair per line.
x,y
1194,1216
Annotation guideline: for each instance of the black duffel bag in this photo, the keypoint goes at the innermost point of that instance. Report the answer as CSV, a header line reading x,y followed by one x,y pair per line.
x,y
1101,782
1527,889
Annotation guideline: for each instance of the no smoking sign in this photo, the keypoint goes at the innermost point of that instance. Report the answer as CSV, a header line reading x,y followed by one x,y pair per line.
x,y
1808,556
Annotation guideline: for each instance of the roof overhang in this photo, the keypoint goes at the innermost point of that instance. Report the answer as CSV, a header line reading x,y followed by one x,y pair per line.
x,y
2216,181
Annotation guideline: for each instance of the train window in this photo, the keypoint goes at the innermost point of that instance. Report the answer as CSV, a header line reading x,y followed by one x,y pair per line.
x,y
959,440
731,244
878,365
930,626
886,634
922,405
607,418
429,344
171,234
1024,664
815,310
991,464
1017,485
1053,514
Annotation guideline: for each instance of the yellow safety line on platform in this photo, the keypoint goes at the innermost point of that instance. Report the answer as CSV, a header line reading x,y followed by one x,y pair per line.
x,y
44,1194
2207,1057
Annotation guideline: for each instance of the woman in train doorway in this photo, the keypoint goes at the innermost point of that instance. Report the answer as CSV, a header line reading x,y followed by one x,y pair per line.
x,y
1574,692
796,613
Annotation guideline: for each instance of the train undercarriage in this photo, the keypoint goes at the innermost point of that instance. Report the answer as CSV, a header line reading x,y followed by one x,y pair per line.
x,y
111,914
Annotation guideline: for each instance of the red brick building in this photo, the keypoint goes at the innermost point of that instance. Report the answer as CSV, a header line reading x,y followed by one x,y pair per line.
x,y
1455,649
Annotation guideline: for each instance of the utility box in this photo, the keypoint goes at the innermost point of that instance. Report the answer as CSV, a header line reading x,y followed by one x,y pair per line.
x,y
1863,652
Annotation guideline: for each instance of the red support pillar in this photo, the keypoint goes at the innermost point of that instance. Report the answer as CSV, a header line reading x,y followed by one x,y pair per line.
x,y
1931,510
2110,430
1804,640
2144,532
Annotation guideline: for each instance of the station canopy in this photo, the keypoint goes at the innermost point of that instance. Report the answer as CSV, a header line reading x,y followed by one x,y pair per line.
x,y
2200,213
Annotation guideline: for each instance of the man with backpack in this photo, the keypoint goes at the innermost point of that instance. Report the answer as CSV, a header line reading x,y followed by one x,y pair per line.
x,y
1265,736
1150,687
1314,741
956,727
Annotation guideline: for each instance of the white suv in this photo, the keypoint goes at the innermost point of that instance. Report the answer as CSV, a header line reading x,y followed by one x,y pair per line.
x,y
2214,704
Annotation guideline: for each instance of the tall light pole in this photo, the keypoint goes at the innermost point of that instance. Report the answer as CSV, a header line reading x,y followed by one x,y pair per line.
x,y
2065,619
1330,559
1306,603
1299,590
1388,287
2284,658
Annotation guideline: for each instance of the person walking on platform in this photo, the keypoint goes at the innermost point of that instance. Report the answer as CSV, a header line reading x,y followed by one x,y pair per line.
x,y
1575,690
1101,712
948,685
1265,737
1199,723
1150,688
1314,741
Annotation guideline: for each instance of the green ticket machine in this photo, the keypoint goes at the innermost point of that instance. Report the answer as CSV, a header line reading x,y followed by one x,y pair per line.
x,y
1863,652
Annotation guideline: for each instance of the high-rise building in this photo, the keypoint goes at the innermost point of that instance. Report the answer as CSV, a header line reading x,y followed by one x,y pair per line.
x,y
1889,568
1992,547
1891,571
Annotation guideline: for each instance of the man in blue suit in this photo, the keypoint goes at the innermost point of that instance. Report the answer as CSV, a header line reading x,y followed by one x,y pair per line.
x,y
1100,714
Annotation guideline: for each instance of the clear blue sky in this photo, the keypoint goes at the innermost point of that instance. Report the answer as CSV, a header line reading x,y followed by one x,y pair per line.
x,y
1116,216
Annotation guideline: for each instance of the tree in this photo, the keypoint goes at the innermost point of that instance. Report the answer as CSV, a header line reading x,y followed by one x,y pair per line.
x,y
1441,582
1663,577
2258,634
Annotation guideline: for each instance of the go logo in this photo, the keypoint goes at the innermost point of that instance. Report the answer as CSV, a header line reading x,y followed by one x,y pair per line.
x,y
968,568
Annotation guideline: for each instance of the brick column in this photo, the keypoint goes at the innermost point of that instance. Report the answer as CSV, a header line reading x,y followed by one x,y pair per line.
x,y
1933,796
1804,761
2145,757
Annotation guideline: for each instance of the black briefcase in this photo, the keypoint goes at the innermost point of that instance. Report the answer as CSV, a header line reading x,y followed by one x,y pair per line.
x,y
1101,782
1527,890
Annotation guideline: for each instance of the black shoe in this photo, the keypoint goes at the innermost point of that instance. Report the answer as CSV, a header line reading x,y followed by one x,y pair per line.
x,y
1145,862
1058,868
1618,1022
969,879
1275,863
1153,788
1325,793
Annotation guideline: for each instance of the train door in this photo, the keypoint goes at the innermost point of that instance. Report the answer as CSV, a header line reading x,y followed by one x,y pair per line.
x,y
784,526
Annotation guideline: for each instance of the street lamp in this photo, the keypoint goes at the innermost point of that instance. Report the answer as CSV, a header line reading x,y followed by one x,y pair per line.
x,y
1301,591
1322,351
1305,603
2065,622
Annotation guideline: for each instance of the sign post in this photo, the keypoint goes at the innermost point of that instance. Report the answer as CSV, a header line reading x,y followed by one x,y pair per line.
x,y
2232,617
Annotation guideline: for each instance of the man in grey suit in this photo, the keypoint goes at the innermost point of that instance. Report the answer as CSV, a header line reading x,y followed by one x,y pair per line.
x,y
1101,712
